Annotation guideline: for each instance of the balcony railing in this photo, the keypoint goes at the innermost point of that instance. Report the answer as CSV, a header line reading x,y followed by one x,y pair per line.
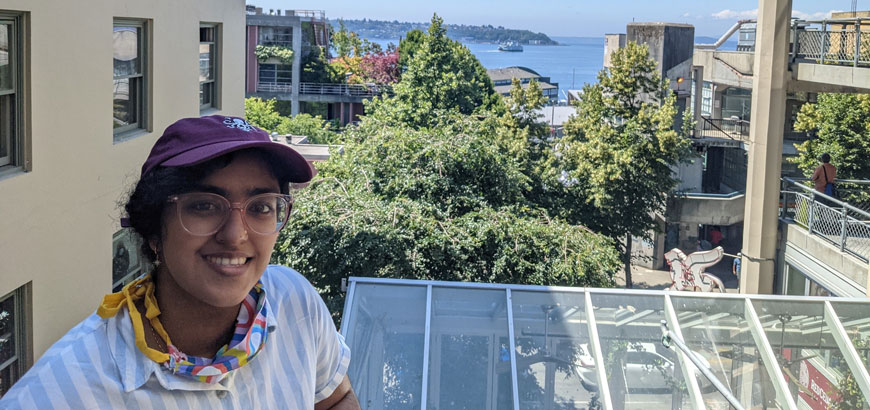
x,y
844,41
840,223
730,128
274,87
353,90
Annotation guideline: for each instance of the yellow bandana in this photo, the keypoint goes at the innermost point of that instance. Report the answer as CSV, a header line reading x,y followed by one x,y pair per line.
x,y
142,288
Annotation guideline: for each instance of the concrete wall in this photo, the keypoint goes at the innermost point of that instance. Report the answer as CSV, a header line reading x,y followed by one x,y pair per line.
x,y
727,68
669,44
708,210
612,42
824,263
58,220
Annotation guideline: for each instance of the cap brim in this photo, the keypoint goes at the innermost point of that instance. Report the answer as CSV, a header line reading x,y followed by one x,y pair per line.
x,y
297,169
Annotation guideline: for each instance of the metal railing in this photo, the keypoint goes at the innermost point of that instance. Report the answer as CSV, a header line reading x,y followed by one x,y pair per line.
x,y
353,90
841,41
275,87
842,224
731,128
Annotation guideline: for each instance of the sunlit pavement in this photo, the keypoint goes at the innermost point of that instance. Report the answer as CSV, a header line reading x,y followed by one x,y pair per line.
x,y
644,278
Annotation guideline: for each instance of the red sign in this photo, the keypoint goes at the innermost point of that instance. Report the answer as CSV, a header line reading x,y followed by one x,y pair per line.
x,y
817,390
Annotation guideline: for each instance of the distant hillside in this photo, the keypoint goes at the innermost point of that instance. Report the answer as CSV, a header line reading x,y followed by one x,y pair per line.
x,y
476,34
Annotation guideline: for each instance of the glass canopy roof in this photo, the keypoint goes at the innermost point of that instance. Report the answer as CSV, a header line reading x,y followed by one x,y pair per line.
x,y
470,346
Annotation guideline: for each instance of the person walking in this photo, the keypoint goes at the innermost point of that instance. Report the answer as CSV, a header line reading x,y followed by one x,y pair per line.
x,y
824,176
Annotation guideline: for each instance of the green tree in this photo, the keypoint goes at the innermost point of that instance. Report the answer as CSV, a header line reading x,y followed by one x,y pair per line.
x,y
840,124
409,45
442,204
315,128
442,76
619,151
261,113
316,68
346,43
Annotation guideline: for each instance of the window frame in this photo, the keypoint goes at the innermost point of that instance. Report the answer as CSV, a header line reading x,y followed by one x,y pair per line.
x,y
17,157
215,82
22,332
274,41
142,84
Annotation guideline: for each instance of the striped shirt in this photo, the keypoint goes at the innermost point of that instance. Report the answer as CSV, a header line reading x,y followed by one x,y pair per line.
x,y
97,365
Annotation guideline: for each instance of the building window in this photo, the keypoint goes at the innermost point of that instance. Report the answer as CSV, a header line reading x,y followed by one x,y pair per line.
x,y
129,102
707,99
208,66
11,135
275,73
127,262
14,346
276,36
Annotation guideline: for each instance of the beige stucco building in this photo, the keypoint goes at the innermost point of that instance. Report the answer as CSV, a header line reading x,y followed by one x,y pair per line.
x,y
64,168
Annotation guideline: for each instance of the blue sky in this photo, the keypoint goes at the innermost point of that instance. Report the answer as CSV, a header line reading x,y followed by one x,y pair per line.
x,y
561,17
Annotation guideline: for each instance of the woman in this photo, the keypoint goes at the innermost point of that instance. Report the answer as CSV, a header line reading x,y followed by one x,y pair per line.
x,y
212,325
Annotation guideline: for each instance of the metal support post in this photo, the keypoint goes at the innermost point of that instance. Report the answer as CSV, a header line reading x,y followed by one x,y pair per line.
x,y
811,214
686,363
669,337
513,347
824,46
859,372
601,372
783,395
843,226
857,42
427,335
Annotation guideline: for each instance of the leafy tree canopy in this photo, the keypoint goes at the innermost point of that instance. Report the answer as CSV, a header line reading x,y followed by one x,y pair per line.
x,y
262,113
442,76
619,150
409,45
443,204
840,124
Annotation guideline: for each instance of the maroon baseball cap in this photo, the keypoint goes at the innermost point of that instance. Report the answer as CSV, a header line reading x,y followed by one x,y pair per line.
x,y
190,141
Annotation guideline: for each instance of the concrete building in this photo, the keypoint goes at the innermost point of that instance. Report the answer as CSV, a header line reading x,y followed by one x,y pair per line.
x,y
271,77
502,77
612,42
63,167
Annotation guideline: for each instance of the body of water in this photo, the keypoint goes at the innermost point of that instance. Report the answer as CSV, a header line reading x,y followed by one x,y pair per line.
x,y
574,62
577,60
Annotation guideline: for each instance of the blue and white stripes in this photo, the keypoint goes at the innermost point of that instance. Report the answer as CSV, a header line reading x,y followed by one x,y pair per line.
x,y
96,365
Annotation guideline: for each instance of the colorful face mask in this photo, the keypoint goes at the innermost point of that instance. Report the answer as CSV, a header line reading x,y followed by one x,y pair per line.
x,y
248,338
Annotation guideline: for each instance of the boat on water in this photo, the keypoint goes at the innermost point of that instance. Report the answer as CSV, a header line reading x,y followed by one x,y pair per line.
x,y
510,46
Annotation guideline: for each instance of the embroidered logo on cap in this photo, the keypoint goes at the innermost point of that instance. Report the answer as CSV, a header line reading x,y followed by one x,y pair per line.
x,y
238,123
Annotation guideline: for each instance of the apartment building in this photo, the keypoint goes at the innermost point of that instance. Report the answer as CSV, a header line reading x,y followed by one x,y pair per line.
x,y
85,90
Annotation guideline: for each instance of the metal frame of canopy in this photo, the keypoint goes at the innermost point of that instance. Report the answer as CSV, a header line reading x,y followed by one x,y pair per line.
x,y
760,333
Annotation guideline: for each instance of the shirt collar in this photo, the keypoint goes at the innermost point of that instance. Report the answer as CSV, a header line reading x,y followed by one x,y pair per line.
x,y
135,369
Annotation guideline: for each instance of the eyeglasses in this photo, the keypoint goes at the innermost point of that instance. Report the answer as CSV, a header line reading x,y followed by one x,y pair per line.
x,y
204,214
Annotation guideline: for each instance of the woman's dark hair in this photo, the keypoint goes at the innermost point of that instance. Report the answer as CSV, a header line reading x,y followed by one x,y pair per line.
x,y
825,157
148,199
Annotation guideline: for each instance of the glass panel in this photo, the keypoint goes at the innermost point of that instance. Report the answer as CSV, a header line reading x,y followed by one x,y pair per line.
x,y
555,366
8,376
6,57
7,330
642,373
469,359
124,96
856,322
206,93
717,330
206,62
796,282
7,128
386,336
807,352
206,34
125,47
278,36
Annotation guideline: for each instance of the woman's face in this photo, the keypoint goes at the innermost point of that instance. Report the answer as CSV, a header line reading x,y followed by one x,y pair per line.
x,y
220,269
